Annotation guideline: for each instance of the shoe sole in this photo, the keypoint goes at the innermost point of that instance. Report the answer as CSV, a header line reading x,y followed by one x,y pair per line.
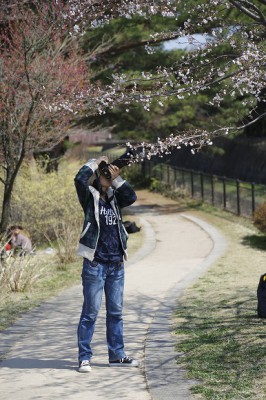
x,y
83,370
123,365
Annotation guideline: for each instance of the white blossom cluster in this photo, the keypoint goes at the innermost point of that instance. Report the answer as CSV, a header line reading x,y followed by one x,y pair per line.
x,y
98,13
195,140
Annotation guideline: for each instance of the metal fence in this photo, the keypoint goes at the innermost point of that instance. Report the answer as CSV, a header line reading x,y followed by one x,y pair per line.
x,y
233,195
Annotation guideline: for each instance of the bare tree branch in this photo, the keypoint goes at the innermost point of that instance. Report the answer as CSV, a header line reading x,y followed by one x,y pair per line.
x,y
246,7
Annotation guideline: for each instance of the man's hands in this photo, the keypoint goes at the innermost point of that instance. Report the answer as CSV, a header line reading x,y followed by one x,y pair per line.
x,y
114,170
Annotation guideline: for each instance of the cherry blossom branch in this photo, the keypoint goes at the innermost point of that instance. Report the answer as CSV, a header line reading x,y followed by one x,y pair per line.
x,y
195,139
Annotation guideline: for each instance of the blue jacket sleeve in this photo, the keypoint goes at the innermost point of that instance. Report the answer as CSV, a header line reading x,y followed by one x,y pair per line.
x,y
124,193
82,182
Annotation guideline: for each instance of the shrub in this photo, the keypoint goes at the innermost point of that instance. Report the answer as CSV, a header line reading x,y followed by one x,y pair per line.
x,y
47,206
135,176
66,238
158,186
259,217
17,274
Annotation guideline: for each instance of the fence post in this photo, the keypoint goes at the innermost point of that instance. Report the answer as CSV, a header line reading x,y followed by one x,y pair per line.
x,y
192,183
143,167
161,171
175,177
224,191
212,188
238,196
253,196
183,177
202,186
149,169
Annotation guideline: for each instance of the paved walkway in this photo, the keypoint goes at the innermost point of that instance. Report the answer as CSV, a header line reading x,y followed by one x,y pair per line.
x,y
42,362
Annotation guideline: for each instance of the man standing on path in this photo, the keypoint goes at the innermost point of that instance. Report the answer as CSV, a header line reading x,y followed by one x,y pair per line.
x,y
103,246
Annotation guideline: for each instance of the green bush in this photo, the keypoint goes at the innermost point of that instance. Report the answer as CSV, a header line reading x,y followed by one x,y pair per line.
x,y
135,176
158,186
44,202
47,206
259,217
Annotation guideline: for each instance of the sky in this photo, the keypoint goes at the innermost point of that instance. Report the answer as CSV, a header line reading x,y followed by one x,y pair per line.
x,y
185,42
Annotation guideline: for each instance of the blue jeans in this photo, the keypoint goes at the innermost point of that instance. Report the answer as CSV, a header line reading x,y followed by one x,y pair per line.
x,y
95,278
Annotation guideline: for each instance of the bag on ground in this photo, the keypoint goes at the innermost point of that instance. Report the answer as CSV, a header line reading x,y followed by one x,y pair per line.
x,y
261,294
131,227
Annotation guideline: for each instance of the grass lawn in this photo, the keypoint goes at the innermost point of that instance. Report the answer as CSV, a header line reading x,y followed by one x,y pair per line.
x,y
217,328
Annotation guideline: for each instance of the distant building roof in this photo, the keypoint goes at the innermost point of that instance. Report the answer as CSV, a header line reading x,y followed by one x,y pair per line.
x,y
89,136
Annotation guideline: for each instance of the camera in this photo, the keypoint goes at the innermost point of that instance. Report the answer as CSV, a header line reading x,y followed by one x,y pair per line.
x,y
122,161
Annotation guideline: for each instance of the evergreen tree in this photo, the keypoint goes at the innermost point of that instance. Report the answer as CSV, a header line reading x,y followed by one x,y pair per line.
x,y
126,50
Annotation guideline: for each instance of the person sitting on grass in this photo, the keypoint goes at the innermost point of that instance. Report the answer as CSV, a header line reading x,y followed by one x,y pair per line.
x,y
20,242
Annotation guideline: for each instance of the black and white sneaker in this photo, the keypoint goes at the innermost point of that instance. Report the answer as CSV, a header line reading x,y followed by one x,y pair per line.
x,y
124,362
84,366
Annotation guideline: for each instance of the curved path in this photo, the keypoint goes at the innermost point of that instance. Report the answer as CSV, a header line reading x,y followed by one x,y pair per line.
x,y
41,364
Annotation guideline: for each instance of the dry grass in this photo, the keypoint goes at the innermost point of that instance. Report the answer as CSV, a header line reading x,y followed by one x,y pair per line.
x,y
66,236
18,274
30,282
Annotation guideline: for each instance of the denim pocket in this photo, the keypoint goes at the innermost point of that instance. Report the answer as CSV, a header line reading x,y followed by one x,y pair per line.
x,y
90,268
94,263
119,266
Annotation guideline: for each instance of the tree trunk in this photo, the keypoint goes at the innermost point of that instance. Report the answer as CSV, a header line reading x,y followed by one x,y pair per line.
x,y
11,174
6,208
